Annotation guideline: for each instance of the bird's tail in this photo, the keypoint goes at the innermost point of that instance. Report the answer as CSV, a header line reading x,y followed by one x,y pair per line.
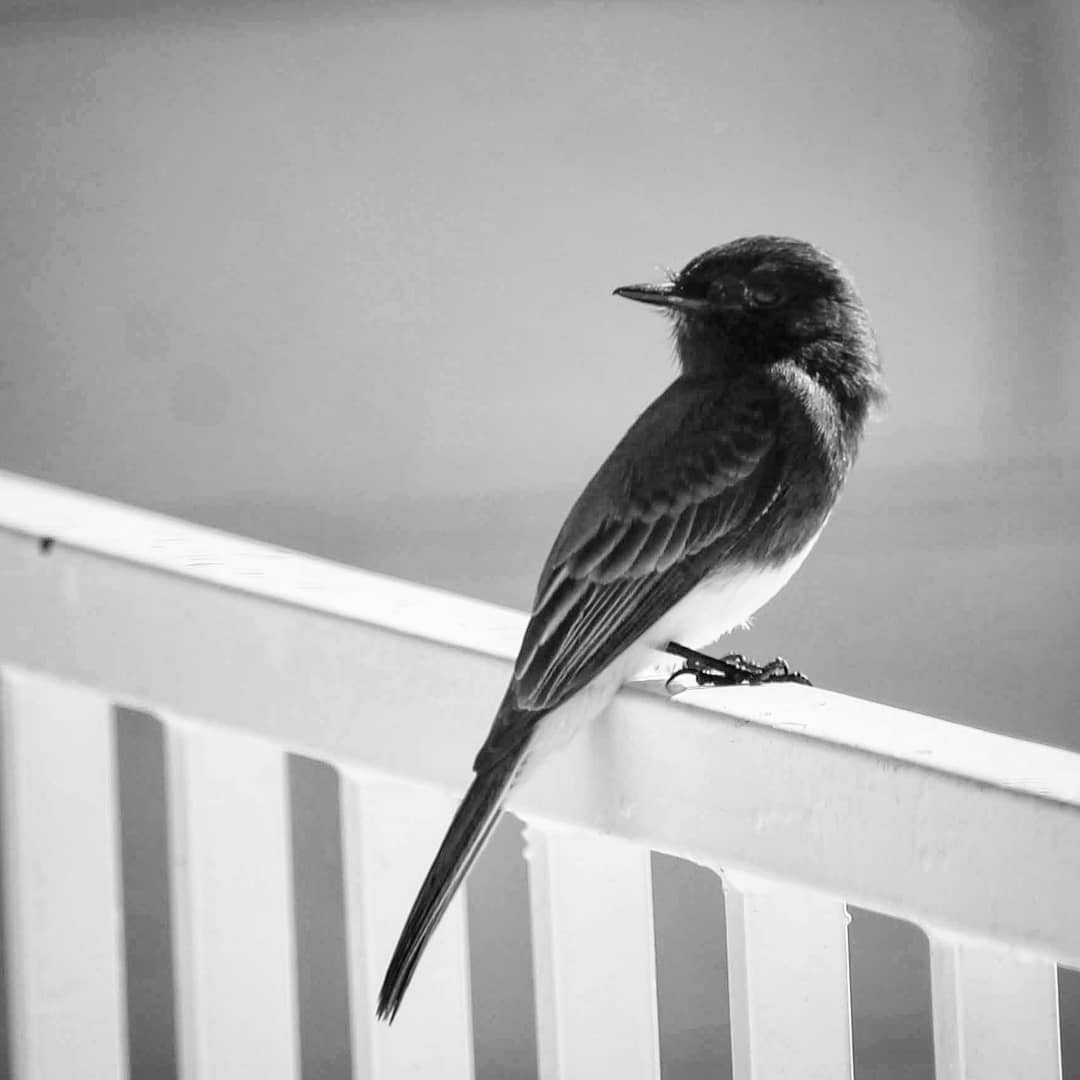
x,y
472,824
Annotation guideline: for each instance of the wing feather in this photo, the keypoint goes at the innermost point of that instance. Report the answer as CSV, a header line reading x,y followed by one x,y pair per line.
x,y
622,560
677,543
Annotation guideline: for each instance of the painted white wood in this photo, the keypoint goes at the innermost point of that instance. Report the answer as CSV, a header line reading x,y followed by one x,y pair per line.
x,y
995,1013
90,523
390,832
232,905
788,982
593,956
64,929
945,826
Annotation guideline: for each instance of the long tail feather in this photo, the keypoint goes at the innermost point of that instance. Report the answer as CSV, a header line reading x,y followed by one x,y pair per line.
x,y
464,840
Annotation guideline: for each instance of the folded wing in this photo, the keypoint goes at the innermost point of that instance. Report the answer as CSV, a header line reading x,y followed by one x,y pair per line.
x,y
680,492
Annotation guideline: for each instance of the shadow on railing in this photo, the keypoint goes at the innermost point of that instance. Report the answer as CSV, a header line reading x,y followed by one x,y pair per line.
x,y
803,800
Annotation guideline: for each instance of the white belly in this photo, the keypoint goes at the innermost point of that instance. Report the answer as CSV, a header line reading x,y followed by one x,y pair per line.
x,y
720,603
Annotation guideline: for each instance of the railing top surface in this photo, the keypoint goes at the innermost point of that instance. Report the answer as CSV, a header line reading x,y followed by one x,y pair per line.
x,y
91,523
105,528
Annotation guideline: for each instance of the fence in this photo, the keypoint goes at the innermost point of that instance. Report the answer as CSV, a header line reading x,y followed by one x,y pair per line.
x,y
802,799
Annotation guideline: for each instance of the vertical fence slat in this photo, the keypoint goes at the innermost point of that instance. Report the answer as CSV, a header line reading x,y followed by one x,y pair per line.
x,y
593,956
390,831
61,870
789,985
995,1013
232,906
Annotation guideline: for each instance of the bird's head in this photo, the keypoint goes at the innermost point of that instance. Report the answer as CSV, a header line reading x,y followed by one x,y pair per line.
x,y
764,300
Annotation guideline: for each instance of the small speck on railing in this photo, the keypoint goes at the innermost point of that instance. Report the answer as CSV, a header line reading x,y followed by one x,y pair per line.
x,y
46,544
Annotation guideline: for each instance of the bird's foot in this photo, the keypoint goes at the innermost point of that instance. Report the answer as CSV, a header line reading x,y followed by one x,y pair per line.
x,y
731,670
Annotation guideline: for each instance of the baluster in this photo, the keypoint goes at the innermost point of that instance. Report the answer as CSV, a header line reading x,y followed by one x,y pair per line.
x,y
232,902
593,956
788,982
390,832
995,1012
64,931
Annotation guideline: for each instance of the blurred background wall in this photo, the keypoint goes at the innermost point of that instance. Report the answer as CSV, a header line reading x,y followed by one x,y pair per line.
x,y
338,276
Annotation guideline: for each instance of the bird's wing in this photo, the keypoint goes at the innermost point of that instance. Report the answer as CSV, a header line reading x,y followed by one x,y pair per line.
x,y
678,492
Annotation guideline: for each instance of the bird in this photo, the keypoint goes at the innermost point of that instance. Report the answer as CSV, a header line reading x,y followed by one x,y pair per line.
x,y
700,514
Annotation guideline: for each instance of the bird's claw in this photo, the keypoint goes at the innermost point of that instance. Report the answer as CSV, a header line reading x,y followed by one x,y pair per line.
x,y
734,669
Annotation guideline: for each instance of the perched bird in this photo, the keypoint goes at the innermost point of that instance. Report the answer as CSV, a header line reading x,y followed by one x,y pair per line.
x,y
700,514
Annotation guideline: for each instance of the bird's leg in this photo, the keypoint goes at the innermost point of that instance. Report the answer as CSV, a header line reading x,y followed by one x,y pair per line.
x,y
731,670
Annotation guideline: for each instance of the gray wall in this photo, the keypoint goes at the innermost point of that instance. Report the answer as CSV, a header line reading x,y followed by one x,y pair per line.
x,y
339,277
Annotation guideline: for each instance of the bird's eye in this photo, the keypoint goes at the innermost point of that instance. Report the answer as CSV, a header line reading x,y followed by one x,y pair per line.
x,y
766,294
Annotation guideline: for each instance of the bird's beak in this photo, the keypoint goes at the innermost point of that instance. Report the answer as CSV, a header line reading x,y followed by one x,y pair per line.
x,y
665,295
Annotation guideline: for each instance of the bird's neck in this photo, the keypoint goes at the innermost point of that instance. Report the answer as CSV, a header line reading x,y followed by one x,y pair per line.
x,y
849,373
702,352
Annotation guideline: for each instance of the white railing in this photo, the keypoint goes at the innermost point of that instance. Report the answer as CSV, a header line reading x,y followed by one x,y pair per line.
x,y
802,799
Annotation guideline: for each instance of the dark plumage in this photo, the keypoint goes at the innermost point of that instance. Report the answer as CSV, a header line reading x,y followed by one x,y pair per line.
x,y
700,513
